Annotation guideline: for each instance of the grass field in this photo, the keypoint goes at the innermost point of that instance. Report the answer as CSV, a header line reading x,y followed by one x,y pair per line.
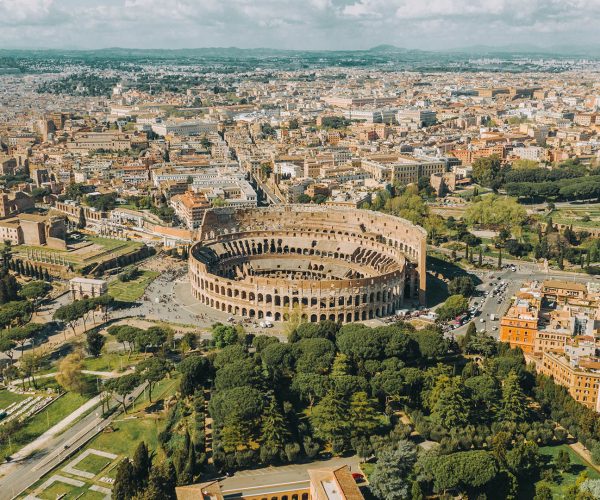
x,y
131,291
111,362
7,398
93,463
127,435
578,465
41,422
58,489
575,214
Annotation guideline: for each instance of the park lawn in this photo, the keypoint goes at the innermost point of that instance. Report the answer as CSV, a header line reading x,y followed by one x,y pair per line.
x,y
130,291
578,465
92,495
127,435
58,489
111,362
40,423
161,390
94,464
7,398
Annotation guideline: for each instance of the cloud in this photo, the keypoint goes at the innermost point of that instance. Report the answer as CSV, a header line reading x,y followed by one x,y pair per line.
x,y
336,24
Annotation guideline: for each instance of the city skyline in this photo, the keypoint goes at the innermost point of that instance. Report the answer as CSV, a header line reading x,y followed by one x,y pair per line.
x,y
288,24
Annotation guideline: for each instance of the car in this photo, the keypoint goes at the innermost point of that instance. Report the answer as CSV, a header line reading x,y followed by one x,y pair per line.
x,y
358,477
482,320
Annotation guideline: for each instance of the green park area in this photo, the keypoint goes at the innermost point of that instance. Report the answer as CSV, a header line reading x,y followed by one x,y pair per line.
x,y
7,398
562,480
32,428
130,291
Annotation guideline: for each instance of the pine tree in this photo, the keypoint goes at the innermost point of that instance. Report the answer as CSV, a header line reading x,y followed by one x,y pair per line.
x,y
362,414
340,365
480,261
389,480
466,251
161,483
329,418
500,258
189,471
469,334
274,433
46,275
124,485
141,465
82,222
514,405
561,263
3,293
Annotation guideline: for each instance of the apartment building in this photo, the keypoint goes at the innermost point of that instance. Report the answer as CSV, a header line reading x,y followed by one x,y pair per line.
x,y
190,207
581,376
519,326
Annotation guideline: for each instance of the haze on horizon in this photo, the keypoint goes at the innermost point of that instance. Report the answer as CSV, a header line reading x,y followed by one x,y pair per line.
x,y
297,24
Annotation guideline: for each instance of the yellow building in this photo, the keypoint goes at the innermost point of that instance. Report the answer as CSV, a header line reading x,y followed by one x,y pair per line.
x,y
581,379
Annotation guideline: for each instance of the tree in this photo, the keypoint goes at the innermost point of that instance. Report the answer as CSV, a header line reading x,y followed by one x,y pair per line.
x,y
195,371
6,256
34,291
82,222
70,314
454,306
524,460
363,416
125,334
95,342
514,405
240,373
463,470
152,370
487,171
122,387
431,341
69,374
314,355
450,407
124,487
274,433
188,342
563,461
161,482
469,334
329,418
224,335
390,477
461,285
543,492
141,465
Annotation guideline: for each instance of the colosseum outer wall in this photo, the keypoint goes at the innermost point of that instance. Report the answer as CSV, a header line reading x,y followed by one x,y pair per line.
x,y
313,235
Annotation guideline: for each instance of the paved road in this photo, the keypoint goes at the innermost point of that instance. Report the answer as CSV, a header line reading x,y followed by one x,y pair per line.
x,y
524,273
18,476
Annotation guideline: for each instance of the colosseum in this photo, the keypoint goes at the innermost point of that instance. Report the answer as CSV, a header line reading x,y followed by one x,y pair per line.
x,y
324,262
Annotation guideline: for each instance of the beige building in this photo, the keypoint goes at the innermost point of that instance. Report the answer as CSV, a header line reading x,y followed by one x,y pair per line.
x,y
327,483
85,288
190,207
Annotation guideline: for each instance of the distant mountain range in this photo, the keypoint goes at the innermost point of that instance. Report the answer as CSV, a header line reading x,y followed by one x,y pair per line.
x,y
384,50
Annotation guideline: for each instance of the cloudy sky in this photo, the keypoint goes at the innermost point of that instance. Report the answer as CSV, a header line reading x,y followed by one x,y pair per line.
x,y
296,24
